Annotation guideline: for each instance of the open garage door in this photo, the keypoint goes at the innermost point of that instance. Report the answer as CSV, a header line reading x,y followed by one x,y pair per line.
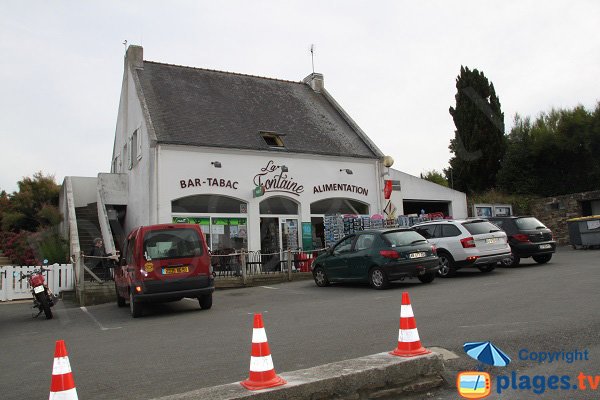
x,y
429,206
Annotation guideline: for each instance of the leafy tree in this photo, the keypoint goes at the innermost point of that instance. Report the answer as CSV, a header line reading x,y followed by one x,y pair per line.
x,y
28,208
435,177
558,153
479,144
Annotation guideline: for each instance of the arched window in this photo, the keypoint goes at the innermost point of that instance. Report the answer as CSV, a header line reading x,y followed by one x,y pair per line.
x,y
208,203
339,206
278,205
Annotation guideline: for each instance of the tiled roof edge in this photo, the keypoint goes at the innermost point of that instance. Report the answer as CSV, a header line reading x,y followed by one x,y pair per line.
x,y
222,72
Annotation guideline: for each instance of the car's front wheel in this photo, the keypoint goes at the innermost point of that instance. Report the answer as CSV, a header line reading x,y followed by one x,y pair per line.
x,y
447,268
427,278
320,277
542,259
378,279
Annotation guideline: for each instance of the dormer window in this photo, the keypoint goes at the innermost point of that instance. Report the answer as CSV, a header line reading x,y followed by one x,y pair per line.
x,y
272,139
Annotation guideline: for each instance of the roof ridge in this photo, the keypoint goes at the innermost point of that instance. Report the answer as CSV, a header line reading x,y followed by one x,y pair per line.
x,y
223,72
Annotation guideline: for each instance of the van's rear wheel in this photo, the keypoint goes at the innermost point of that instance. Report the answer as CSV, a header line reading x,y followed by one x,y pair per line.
x,y
120,300
205,301
134,306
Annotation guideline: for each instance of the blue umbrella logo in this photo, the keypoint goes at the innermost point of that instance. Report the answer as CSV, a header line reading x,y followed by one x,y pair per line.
x,y
487,353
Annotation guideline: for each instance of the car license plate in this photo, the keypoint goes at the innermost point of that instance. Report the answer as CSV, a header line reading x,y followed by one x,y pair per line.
x,y
545,246
492,240
38,289
175,270
417,255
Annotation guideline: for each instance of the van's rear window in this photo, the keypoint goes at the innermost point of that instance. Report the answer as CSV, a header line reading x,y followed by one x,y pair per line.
x,y
172,243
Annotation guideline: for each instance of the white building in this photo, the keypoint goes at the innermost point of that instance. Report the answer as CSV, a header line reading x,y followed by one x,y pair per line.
x,y
198,145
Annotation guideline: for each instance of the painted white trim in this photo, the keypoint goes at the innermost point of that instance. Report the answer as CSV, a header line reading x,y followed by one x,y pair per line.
x,y
408,335
70,394
259,335
61,366
406,311
261,364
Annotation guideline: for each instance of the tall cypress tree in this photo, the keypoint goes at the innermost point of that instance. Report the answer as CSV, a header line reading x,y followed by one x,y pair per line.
x,y
479,143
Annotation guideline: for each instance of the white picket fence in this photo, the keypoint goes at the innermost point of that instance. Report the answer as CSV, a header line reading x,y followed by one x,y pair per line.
x,y
59,278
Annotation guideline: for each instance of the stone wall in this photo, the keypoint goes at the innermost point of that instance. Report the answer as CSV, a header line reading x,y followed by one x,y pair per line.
x,y
555,211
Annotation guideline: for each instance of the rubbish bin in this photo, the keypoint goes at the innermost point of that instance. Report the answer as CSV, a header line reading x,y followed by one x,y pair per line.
x,y
584,231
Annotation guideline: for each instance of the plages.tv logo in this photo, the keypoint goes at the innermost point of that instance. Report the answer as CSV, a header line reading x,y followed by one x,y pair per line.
x,y
478,384
474,385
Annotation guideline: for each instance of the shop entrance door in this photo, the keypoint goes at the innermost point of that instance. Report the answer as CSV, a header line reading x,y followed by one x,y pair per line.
x,y
277,234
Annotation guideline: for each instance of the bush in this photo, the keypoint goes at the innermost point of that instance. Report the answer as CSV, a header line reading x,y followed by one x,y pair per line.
x,y
18,249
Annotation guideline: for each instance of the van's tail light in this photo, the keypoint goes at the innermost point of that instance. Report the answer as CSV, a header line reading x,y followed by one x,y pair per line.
x,y
389,253
467,242
520,237
434,249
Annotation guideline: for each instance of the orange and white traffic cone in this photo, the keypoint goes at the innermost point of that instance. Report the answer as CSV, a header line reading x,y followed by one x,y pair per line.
x,y
409,343
63,385
262,372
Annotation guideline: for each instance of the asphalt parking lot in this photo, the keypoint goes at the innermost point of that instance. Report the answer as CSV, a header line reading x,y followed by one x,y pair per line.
x,y
176,347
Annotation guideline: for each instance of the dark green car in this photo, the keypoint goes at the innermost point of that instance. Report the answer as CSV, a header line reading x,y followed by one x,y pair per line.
x,y
377,257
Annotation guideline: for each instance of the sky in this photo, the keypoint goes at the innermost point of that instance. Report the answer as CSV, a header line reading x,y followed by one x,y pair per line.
x,y
392,65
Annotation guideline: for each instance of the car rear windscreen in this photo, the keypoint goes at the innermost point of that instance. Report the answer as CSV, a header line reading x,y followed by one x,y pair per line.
x,y
528,223
172,243
480,227
403,238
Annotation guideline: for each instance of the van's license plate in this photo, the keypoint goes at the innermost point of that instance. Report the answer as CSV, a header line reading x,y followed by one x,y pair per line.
x,y
174,270
417,255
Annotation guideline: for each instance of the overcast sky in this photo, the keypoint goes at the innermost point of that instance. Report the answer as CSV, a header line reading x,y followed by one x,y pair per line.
x,y
391,65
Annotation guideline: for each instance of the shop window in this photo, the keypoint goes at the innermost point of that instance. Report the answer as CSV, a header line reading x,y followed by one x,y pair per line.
x,y
208,203
278,205
339,206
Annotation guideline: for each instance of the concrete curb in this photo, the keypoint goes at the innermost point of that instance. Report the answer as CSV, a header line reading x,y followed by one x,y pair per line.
x,y
372,377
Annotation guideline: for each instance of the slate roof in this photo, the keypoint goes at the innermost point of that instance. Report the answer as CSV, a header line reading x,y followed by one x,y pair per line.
x,y
199,107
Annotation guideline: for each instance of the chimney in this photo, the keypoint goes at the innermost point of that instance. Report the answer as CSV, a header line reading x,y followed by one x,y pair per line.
x,y
315,81
135,56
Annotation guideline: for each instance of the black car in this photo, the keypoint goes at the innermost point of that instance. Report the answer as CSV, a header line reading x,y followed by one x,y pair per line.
x,y
377,257
528,237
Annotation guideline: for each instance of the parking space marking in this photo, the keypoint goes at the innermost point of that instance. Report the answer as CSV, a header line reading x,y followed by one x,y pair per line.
x,y
269,287
102,327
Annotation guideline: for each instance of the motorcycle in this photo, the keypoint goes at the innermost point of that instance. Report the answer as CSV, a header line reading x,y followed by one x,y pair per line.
x,y
43,299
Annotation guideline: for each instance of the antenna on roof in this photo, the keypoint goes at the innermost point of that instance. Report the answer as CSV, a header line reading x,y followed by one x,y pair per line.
x,y
125,44
312,56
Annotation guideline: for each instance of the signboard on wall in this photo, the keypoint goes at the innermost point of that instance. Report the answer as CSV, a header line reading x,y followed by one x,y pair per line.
x,y
306,236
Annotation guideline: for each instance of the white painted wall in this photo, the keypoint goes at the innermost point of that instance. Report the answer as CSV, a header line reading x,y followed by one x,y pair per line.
x,y
84,190
184,163
139,177
414,188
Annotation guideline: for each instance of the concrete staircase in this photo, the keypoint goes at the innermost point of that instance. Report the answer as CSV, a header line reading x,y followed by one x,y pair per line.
x,y
87,226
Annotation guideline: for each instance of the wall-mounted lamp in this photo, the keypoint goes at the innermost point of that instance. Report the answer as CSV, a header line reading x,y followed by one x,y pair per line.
x,y
347,170
216,164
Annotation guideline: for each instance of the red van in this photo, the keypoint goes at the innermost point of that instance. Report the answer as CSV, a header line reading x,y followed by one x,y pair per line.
x,y
164,263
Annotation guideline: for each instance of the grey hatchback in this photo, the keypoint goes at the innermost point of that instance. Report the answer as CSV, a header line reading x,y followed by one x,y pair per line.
x,y
377,257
